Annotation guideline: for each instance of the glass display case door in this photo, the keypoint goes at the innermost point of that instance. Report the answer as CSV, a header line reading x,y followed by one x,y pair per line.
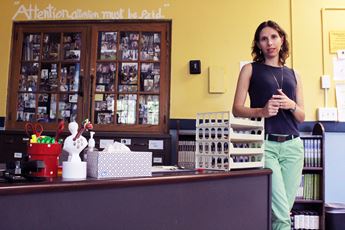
x,y
49,76
129,74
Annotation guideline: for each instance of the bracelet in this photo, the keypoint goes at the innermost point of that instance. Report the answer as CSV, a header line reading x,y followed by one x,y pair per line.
x,y
294,109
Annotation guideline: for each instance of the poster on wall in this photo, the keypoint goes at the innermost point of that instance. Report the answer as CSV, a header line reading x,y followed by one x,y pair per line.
x,y
336,41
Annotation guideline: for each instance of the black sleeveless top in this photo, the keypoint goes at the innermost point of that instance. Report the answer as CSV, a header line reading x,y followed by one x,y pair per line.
x,y
263,85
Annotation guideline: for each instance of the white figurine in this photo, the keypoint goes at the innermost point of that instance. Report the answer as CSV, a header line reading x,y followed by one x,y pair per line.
x,y
74,168
73,144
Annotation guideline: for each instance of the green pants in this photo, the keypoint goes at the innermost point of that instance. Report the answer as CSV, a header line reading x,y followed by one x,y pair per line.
x,y
285,159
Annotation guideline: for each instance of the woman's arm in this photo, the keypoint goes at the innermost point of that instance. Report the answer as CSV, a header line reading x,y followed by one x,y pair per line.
x,y
239,109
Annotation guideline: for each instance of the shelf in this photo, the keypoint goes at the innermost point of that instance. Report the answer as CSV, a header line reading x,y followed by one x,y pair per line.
x,y
312,169
246,151
311,137
242,137
241,165
187,132
246,124
302,201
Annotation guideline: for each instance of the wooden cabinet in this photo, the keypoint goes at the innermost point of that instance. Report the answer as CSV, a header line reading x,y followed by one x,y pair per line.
x,y
13,144
116,73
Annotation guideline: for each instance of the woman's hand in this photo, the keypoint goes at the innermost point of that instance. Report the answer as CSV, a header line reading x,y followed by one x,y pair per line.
x,y
271,108
284,101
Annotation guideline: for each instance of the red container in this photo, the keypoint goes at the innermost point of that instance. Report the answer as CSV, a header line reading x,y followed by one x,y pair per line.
x,y
49,153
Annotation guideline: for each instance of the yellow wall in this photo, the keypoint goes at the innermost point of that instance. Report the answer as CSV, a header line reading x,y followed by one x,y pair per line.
x,y
218,32
310,58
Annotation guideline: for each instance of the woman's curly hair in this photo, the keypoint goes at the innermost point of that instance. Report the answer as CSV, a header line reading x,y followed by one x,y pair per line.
x,y
257,55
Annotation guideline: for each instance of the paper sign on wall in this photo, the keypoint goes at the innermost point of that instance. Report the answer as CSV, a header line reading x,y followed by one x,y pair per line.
x,y
341,54
340,96
336,41
156,144
105,142
338,69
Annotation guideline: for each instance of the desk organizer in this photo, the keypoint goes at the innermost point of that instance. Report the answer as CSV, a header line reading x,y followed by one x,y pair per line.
x,y
224,142
49,153
118,164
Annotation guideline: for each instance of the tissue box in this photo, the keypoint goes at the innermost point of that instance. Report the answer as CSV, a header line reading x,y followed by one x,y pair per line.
x,y
119,164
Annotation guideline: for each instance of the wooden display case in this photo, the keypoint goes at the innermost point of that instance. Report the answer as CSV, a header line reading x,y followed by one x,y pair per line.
x,y
116,73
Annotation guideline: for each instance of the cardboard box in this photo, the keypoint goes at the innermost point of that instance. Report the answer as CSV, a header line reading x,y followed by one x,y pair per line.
x,y
119,164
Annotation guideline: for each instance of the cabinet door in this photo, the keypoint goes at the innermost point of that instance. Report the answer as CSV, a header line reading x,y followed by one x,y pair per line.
x,y
46,78
129,72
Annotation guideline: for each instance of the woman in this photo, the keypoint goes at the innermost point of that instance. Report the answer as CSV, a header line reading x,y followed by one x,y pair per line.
x,y
275,93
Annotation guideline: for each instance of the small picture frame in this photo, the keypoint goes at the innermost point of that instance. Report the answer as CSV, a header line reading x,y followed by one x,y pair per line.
x,y
20,115
44,74
73,98
41,110
65,113
100,88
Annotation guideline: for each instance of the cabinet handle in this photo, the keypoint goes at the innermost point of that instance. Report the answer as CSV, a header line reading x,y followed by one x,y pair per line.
x,y
92,78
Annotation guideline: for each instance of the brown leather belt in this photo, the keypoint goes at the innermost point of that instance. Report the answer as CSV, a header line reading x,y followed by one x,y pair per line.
x,y
276,138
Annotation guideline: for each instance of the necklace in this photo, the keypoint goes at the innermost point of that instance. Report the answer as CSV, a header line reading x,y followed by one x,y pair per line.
x,y
282,78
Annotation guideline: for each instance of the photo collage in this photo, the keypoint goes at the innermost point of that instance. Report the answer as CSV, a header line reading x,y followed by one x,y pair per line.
x,y
28,77
129,45
104,109
126,109
26,107
128,77
69,79
71,46
149,109
149,77
127,82
49,77
68,107
150,46
51,46
46,110
105,77
31,47
107,46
